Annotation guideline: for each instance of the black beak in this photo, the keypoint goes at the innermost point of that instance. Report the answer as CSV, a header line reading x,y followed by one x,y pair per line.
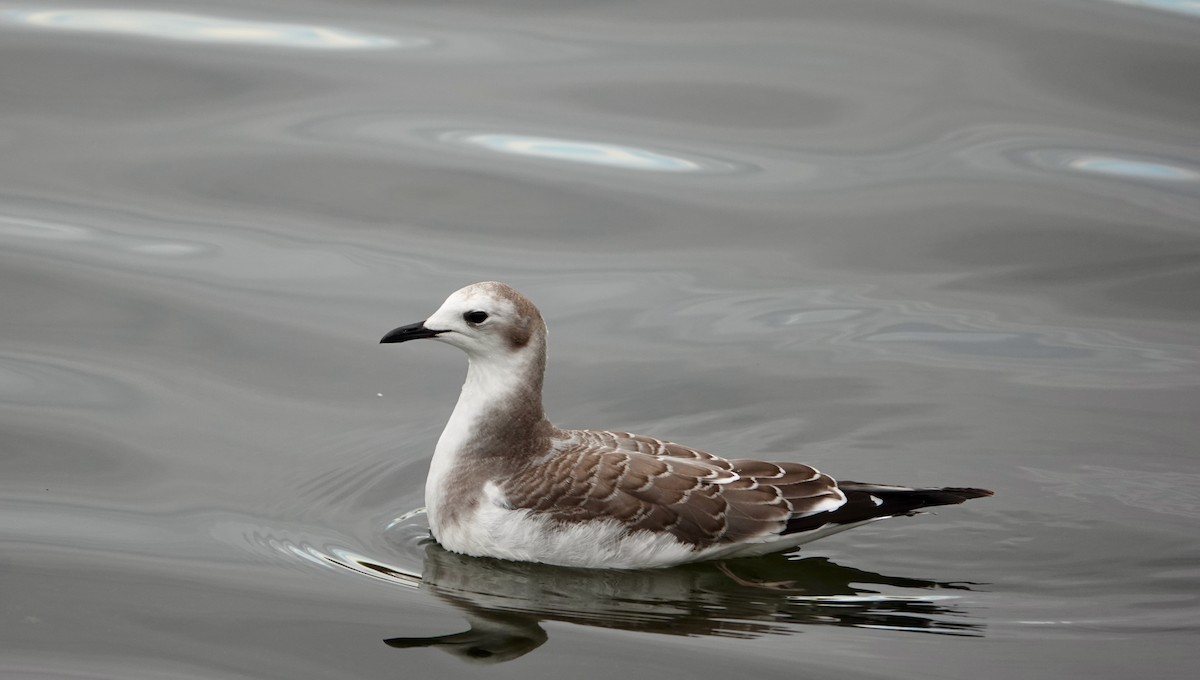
x,y
413,331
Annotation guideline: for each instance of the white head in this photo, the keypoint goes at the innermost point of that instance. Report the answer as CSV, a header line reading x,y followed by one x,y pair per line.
x,y
487,320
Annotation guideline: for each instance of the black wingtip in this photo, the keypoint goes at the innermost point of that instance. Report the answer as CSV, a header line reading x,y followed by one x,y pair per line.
x,y
967,493
865,502
925,498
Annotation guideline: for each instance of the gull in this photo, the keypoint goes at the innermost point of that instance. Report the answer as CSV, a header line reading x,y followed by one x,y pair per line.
x,y
506,483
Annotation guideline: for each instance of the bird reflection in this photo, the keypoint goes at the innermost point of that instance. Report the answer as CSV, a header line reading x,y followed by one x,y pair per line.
x,y
504,602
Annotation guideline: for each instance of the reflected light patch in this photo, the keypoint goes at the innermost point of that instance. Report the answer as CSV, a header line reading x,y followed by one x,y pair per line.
x,y
812,316
42,230
168,249
578,151
206,29
1124,167
1188,7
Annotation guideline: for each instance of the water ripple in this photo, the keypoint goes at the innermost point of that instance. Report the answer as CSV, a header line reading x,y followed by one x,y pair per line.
x,y
590,152
492,139
28,380
205,29
133,242
858,324
1189,8
302,546
35,229
1166,492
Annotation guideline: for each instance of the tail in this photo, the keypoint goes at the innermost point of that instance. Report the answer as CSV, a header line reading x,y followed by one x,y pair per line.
x,y
866,502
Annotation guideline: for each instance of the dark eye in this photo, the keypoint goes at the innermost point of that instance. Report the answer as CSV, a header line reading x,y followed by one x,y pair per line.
x,y
475,317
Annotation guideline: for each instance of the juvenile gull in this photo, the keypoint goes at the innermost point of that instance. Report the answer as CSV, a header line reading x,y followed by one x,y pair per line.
x,y
506,483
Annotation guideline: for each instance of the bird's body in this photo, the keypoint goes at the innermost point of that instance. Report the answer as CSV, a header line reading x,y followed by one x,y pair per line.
x,y
506,483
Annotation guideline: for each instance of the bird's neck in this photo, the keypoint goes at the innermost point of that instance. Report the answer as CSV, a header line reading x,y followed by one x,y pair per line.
x,y
500,406
497,426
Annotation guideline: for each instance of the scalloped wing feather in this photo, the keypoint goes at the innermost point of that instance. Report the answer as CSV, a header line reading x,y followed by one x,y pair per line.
x,y
648,484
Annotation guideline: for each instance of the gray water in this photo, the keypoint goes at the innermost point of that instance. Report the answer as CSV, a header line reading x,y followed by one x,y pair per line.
x,y
941,242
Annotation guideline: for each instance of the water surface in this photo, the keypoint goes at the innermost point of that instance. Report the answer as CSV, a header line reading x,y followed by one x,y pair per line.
x,y
924,242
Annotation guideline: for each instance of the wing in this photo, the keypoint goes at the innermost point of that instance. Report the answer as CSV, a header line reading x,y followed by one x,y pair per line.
x,y
653,485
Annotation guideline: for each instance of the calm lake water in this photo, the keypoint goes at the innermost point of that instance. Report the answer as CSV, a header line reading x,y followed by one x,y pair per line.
x,y
943,242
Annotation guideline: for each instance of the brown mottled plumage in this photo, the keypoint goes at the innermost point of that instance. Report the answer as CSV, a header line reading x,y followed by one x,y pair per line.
x,y
651,485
